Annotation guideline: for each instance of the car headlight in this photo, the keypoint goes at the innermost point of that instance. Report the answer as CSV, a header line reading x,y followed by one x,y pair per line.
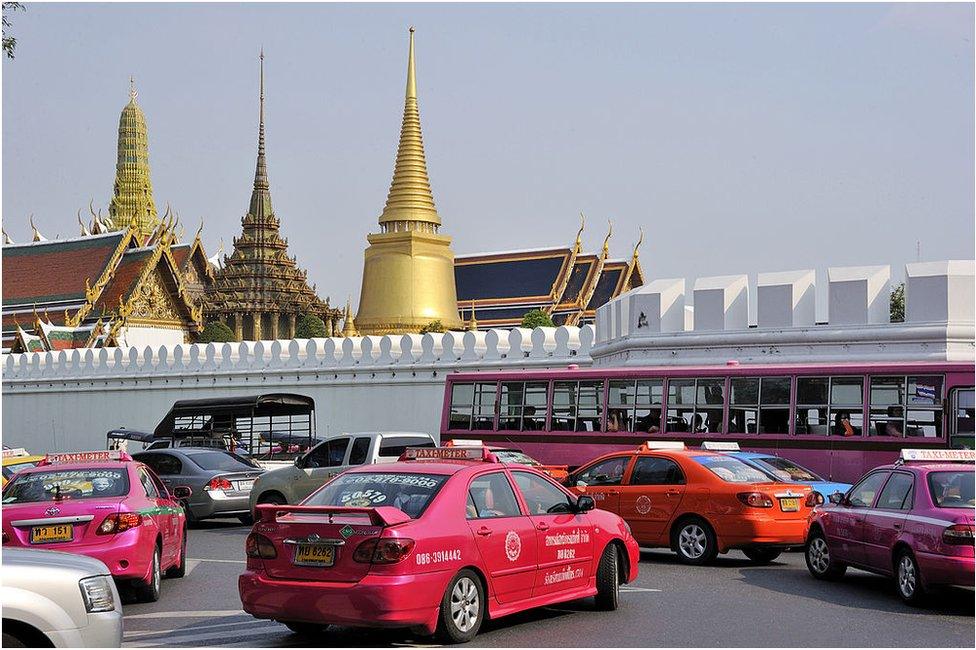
x,y
97,594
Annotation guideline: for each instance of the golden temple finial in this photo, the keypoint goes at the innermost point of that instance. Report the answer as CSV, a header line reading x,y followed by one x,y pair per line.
x,y
473,323
640,240
132,89
606,241
84,229
348,324
410,200
132,195
579,234
37,236
6,237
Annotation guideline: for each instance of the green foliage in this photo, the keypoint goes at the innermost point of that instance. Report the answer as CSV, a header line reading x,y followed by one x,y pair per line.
x,y
432,327
310,326
897,303
216,332
537,318
10,42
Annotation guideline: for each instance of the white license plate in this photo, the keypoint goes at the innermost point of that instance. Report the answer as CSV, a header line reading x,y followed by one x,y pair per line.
x,y
243,486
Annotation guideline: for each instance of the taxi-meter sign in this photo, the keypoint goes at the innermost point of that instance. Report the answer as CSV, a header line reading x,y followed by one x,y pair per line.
x,y
444,453
938,455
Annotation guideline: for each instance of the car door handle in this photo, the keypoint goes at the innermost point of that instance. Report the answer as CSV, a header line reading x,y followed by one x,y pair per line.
x,y
613,492
543,526
484,531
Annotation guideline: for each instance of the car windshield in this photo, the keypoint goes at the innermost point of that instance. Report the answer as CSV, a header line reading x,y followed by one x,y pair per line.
x,y
67,484
731,470
220,460
13,468
409,492
952,489
514,456
786,470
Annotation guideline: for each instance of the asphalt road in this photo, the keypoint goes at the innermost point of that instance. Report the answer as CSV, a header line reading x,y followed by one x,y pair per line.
x,y
732,603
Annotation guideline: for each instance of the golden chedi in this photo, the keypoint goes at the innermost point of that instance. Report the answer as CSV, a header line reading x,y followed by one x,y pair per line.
x,y
408,274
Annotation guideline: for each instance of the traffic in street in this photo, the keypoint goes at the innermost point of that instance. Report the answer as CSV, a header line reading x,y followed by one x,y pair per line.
x,y
670,604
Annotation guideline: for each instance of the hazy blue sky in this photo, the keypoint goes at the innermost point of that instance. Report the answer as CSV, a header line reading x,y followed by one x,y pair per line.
x,y
743,138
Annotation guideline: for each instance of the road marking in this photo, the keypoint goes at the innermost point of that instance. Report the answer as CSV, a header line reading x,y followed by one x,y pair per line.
x,y
138,634
225,635
639,589
215,560
212,613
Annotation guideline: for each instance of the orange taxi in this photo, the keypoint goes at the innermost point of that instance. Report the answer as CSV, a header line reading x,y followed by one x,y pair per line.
x,y
697,502
514,456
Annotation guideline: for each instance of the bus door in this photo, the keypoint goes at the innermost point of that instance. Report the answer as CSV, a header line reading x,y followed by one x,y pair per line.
x,y
961,418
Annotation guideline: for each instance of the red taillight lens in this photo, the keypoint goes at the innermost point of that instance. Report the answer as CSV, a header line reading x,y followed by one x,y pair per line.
x,y
814,499
958,535
218,483
389,550
260,546
755,499
118,523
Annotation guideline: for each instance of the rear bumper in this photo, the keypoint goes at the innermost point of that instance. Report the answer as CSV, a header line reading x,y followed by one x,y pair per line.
x,y
213,505
382,601
737,531
946,569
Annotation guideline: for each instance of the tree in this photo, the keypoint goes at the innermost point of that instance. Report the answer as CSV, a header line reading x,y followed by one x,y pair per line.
x,y
10,42
897,303
432,327
310,326
216,332
537,318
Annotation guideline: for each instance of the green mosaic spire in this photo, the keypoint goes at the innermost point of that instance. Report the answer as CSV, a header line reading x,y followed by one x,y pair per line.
x,y
132,198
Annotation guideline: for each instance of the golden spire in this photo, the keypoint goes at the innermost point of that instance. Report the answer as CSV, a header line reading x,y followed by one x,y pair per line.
x,y
6,238
606,242
410,199
579,235
640,240
132,199
84,229
473,323
37,236
348,324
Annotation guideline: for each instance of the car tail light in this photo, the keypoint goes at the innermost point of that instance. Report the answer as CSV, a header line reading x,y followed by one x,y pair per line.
x,y
755,499
218,483
118,523
5,537
958,534
260,546
389,550
814,499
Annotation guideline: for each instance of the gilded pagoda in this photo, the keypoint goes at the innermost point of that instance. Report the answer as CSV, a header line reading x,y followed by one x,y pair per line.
x,y
260,292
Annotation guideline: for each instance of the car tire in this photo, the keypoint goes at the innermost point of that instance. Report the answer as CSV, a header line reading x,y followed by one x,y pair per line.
x,y
820,562
462,608
191,520
908,578
179,570
11,641
247,520
694,541
148,591
608,580
304,629
762,555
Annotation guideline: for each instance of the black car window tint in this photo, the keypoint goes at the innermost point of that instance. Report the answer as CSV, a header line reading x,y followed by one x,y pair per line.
x,y
148,485
336,451
862,495
896,491
608,472
493,496
359,452
653,470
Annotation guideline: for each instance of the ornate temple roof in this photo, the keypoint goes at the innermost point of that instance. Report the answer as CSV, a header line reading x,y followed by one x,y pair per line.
x,y
132,196
565,282
259,275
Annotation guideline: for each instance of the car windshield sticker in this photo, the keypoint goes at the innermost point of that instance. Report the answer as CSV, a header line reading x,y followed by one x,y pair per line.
x,y
513,545
394,479
361,498
643,504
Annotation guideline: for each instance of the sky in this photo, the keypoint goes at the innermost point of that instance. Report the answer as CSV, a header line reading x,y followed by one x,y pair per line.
x,y
741,138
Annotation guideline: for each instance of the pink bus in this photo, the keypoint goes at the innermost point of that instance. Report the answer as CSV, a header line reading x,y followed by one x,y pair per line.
x,y
838,419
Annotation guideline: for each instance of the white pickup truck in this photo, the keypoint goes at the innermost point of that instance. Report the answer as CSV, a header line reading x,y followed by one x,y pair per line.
x,y
291,484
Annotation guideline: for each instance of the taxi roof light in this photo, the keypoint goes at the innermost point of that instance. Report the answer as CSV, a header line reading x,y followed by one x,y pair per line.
x,y
449,453
19,452
710,445
937,455
464,442
661,444
85,457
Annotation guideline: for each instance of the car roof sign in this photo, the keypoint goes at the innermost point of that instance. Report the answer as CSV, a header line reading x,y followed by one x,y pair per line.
x,y
85,457
661,444
19,452
938,455
464,442
448,453
710,445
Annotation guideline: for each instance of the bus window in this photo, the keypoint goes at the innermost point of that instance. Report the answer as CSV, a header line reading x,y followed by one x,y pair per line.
x,y
744,404
963,418
523,406
906,406
472,406
576,405
634,405
774,405
696,406
830,406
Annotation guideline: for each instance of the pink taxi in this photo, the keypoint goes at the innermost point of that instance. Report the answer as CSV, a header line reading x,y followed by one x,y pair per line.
x,y
437,542
104,505
912,520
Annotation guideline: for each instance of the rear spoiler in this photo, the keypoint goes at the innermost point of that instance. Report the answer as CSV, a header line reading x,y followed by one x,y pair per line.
x,y
381,516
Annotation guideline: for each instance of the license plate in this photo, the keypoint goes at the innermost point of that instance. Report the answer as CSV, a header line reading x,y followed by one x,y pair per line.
x,y
244,486
50,534
315,555
789,505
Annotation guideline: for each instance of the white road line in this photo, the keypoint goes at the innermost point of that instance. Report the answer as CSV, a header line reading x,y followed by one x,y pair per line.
x,y
194,639
137,634
639,590
204,559
194,613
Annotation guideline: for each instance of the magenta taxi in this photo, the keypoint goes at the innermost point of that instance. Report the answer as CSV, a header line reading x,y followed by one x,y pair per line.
x,y
437,542
104,505
912,520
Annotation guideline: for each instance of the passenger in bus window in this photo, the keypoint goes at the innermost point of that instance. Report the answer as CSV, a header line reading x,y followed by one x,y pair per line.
x,y
842,424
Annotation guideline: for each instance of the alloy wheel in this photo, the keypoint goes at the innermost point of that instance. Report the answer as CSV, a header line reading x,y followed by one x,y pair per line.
x,y
819,555
907,579
692,541
465,604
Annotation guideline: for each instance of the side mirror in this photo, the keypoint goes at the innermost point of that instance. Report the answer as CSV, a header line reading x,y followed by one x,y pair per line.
x,y
837,498
182,492
299,462
585,503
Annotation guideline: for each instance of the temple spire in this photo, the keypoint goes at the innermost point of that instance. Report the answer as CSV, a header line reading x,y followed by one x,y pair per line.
x,y
132,196
410,201
261,195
